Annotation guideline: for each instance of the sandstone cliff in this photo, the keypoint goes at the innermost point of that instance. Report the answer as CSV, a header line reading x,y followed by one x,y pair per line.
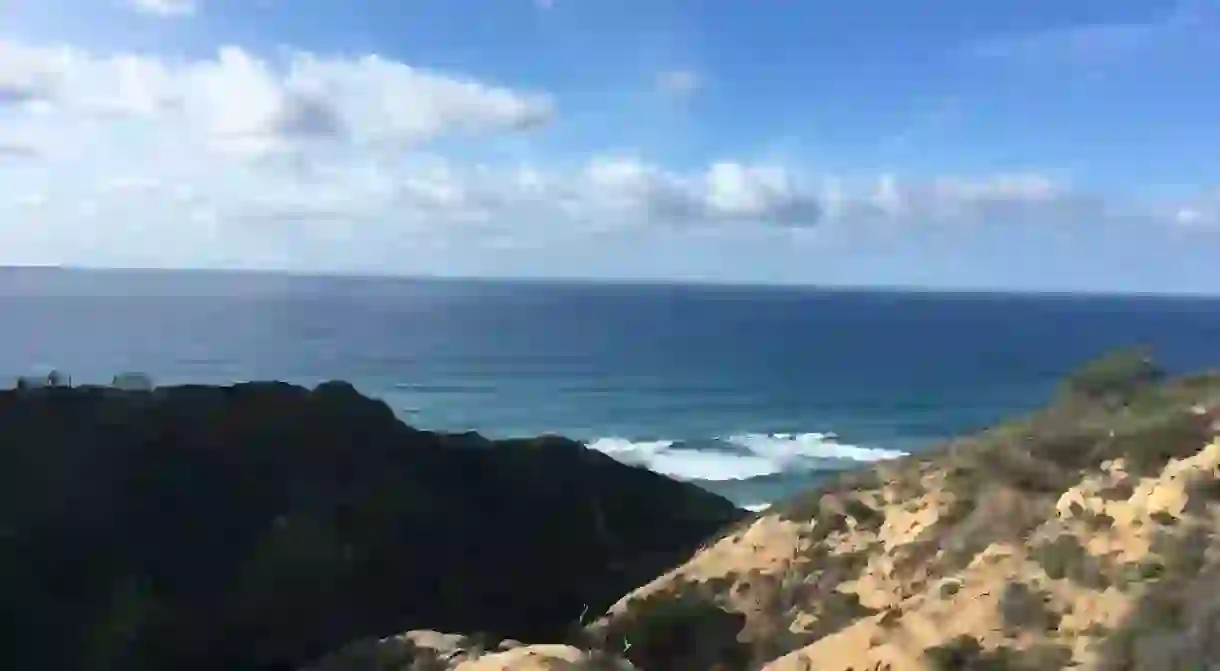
x,y
1084,536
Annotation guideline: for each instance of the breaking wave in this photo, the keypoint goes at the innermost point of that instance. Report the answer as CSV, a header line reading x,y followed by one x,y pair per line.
x,y
742,457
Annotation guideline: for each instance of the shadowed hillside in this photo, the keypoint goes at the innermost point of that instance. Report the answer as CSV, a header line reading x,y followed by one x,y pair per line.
x,y
259,526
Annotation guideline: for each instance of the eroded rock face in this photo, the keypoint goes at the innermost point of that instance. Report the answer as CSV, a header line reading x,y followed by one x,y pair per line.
x,y
261,526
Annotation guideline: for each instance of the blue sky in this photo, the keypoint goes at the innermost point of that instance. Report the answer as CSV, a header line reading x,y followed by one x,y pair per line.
x,y
1072,145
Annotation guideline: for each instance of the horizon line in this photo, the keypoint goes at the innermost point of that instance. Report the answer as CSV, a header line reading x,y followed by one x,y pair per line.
x,y
693,283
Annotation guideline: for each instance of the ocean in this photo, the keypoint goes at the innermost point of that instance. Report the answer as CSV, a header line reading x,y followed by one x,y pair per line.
x,y
751,392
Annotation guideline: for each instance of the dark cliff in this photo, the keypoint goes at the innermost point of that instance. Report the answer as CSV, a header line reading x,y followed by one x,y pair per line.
x,y
258,526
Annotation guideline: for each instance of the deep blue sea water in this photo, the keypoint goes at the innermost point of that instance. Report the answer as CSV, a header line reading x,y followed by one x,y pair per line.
x,y
749,391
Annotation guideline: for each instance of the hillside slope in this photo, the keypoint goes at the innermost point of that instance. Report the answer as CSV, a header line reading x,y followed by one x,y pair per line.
x,y
1083,536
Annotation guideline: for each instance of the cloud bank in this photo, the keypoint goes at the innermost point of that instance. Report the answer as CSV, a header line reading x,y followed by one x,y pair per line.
x,y
310,161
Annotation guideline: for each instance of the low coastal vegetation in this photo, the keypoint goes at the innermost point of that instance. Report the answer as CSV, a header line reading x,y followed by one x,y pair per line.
x,y
1082,535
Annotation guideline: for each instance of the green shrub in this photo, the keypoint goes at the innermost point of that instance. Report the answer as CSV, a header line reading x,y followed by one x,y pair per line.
x,y
1065,557
865,515
1148,443
1023,608
800,508
1115,377
964,653
686,629
959,653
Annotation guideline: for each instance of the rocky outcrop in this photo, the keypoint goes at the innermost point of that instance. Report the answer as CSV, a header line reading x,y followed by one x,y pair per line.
x,y
1084,536
261,526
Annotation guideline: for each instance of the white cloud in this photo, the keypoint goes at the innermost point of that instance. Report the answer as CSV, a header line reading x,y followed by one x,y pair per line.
x,y
953,200
31,200
27,74
1201,213
680,83
1188,216
1026,187
17,150
129,184
886,198
353,211
759,192
725,191
241,102
165,7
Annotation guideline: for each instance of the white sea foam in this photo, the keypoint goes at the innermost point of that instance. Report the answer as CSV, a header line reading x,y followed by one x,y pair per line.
x,y
786,448
745,456
680,462
756,507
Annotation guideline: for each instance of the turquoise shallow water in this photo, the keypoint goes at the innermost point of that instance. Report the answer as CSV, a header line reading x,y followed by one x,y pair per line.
x,y
750,391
